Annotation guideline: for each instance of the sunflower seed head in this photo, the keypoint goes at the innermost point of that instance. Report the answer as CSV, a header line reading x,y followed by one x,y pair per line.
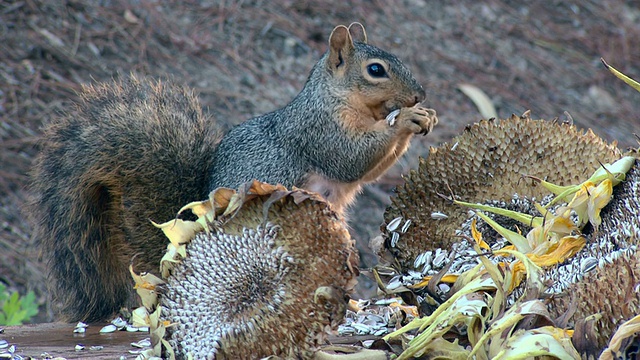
x,y
253,288
490,158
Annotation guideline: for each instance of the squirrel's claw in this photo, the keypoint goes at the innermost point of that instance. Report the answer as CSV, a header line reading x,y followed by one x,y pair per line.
x,y
417,119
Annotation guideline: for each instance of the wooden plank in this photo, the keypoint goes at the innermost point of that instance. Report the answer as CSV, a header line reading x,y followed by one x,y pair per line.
x,y
58,340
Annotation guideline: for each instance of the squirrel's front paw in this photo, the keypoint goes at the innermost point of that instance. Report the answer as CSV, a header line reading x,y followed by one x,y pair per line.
x,y
416,119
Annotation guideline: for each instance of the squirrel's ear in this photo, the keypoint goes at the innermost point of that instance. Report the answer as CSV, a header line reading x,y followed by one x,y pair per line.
x,y
340,43
358,33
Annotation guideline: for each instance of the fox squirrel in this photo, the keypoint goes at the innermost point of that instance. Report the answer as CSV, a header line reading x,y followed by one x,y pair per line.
x,y
137,150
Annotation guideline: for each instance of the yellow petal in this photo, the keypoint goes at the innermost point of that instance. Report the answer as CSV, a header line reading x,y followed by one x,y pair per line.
x,y
562,226
579,203
477,236
411,310
533,271
567,247
600,197
448,278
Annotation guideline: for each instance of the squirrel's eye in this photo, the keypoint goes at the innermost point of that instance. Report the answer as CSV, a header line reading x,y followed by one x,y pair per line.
x,y
376,70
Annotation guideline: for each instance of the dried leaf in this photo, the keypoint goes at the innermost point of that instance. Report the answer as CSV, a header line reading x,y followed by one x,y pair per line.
x,y
616,349
145,285
480,99
634,84
179,231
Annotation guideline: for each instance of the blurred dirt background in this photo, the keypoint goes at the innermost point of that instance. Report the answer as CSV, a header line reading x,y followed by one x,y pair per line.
x,y
246,58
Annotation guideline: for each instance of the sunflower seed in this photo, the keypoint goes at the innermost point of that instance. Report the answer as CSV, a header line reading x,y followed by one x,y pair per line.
x,y
81,325
362,328
379,333
80,347
119,322
440,259
587,264
142,343
419,260
394,284
436,215
391,118
405,227
4,344
386,301
394,239
393,224
445,288
345,330
108,329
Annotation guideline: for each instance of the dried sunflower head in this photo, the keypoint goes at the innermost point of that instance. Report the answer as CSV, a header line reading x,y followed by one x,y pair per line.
x,y
574,258
486,163
599,288
269,276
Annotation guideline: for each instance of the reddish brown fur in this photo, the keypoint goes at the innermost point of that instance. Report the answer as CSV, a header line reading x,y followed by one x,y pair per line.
x,y
89,188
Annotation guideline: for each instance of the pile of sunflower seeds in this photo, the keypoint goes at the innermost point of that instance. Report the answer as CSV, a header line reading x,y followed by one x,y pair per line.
x,y
8,351
375,318
120,324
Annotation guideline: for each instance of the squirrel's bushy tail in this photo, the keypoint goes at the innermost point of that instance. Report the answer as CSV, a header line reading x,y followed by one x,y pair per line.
x,y
130,152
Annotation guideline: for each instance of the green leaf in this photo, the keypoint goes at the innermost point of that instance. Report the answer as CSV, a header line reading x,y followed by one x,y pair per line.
x,y
14,309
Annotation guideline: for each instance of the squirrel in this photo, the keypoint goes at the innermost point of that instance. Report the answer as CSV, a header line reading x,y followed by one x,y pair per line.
x,y
137,150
